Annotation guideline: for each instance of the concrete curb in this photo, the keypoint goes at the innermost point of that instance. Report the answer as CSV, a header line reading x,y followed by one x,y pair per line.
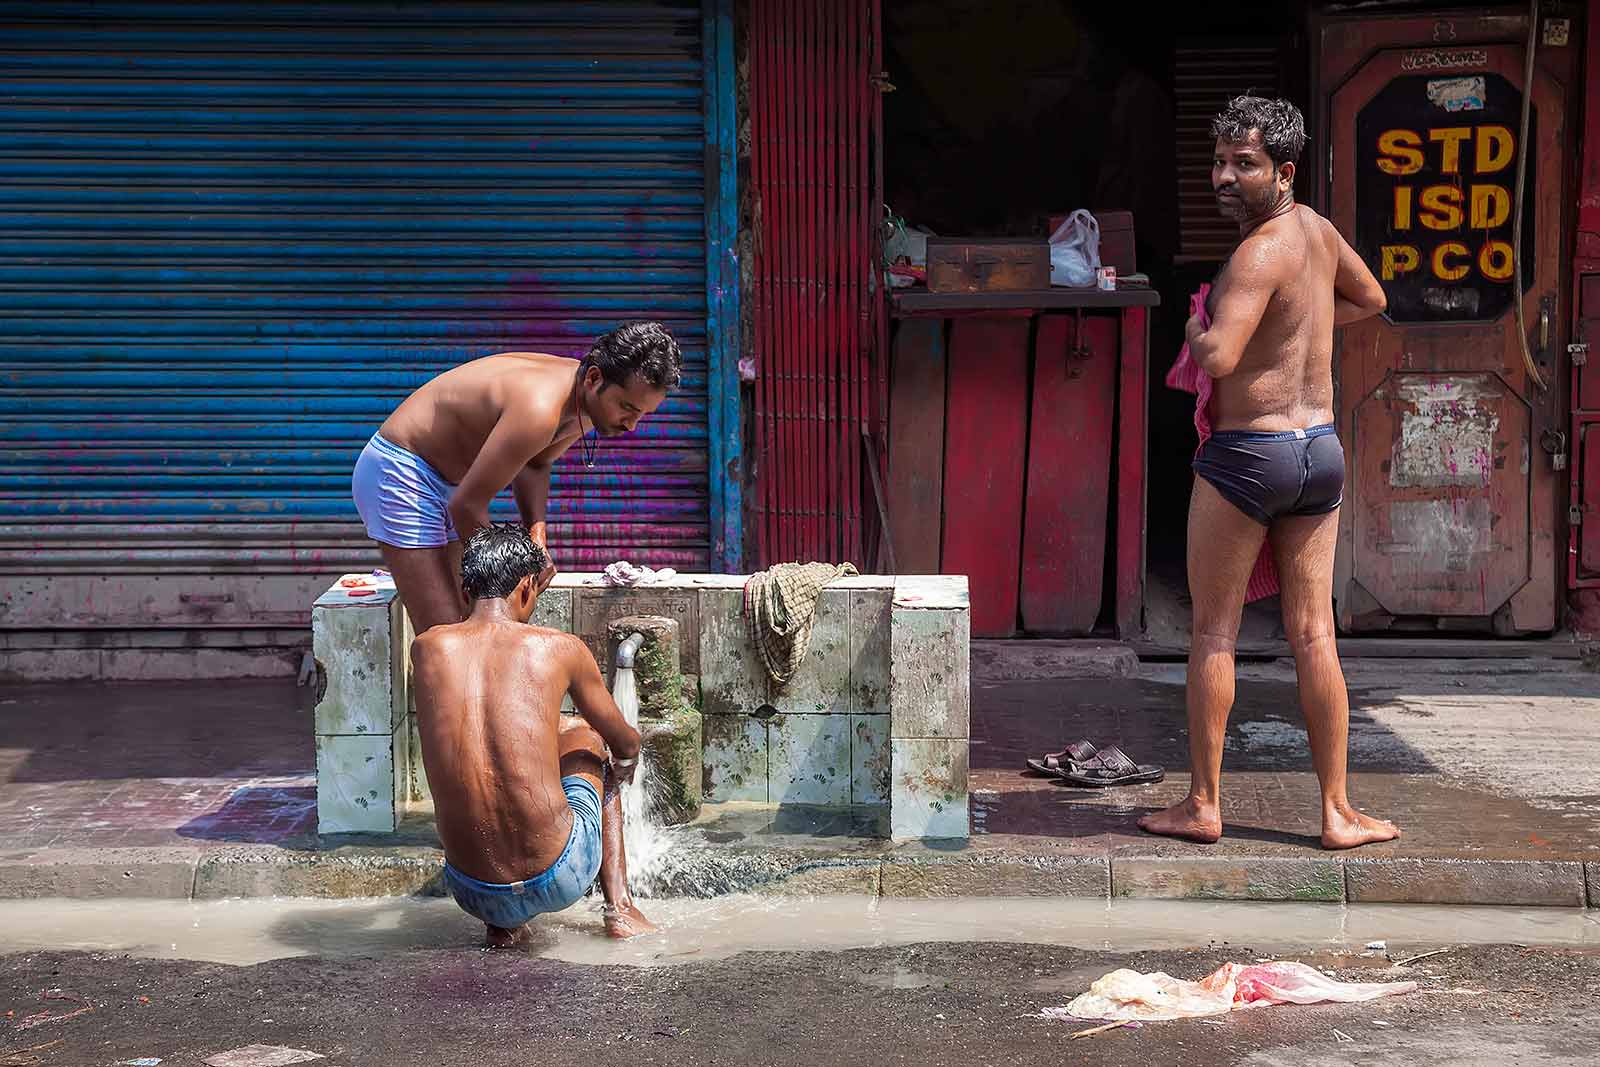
x,y
1010,661
853,867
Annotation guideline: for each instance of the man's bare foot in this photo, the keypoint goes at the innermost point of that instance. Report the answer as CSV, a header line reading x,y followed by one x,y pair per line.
x,y
500,937
626,920
1348,828
1186,819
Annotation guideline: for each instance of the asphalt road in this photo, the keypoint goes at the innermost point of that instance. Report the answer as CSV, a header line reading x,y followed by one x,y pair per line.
x,y
936,1003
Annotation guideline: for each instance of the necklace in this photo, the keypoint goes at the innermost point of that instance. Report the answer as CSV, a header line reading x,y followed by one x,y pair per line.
x,y
586,453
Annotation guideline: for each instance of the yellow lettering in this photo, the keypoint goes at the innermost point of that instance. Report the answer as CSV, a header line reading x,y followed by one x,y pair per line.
x,y
1401,152
1445,271
1402,207
1451,137
1496,149
1491,206
1398,260
1441,207
1494,260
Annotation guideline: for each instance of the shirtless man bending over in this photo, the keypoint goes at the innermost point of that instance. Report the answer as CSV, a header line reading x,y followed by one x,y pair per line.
x,y
516,790
1274,469
424,482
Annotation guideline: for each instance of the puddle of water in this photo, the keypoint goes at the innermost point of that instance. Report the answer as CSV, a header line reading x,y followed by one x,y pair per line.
x,y
251,931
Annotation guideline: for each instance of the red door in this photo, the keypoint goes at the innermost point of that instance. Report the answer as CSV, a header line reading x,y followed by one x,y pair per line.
x,y
1450,516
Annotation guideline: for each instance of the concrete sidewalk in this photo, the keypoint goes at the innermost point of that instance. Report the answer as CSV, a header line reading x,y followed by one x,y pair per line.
x,y
1492,769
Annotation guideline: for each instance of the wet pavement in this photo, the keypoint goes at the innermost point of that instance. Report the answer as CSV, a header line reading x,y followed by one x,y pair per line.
x,y
1492,769
384,982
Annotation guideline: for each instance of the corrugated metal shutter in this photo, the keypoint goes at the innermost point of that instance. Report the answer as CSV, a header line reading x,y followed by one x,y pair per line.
x,y
1205,77
236,235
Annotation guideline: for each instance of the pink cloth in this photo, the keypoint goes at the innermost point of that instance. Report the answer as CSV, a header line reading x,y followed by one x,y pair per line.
x,y
1187,376
1125,995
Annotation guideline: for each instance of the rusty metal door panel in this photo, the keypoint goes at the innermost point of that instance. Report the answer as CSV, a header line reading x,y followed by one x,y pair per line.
x,y
1587,505
1451,511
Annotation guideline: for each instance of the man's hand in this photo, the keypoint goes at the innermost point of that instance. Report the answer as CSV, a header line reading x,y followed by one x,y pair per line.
x,y
1194,328
622,770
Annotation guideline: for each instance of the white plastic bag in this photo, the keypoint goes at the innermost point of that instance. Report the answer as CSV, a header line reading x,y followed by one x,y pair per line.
x,y
1075,250
905,250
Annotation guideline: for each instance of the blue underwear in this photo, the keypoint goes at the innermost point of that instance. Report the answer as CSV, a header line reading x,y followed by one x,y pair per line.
x,y
402,500
509,905
1269,475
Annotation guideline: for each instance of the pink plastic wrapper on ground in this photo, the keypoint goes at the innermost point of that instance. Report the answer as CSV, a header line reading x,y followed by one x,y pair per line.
x,y
1124,994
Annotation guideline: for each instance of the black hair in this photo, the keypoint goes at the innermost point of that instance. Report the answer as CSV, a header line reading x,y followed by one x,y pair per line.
x,y
1283,128
497,558
645,349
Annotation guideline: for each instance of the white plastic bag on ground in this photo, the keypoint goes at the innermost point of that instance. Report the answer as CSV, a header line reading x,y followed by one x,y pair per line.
x,y
1124,994
1075,250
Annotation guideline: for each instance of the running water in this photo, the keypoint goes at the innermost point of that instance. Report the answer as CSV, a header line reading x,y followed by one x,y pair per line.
x,y
645,842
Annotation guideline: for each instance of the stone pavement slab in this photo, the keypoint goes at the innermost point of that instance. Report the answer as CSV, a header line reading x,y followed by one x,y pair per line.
x,y
1492,769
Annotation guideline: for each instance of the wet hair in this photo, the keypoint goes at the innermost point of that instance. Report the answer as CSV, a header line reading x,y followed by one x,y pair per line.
x,y
645,349
1283,128
498,557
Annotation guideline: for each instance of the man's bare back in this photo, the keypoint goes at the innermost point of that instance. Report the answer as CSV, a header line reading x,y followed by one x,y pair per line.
x,y
488,710
448,420
527,804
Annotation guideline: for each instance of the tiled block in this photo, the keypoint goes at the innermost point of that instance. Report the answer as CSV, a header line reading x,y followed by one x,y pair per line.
x,y
870,761
946,592
869,651
735,758
822,683
362,646
355,784
1451,880
928,788
594,609
732,680
929,673
554,610
1224,878
808,759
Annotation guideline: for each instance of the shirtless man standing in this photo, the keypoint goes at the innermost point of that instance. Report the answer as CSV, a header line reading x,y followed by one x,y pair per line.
x,y
1274,469
424,482
517,790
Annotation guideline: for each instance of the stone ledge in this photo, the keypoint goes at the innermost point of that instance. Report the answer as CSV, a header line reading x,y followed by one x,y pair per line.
x,y
344,872
1592,873
1219,878
1014,661
166,873
996,875
1513,883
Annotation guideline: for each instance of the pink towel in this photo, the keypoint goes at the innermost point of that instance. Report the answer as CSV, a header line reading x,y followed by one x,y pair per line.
x,y
1187,376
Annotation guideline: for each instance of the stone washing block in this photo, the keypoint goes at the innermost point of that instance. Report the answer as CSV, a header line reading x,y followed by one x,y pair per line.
x,y
930,673
554,610
808,759
869,651
870,761
946,592
594,608
363,649
356,784
674,754
735,757
928,788
821,685
732,680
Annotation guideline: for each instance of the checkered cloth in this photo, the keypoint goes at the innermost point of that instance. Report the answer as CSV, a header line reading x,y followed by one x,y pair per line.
x,y
780,604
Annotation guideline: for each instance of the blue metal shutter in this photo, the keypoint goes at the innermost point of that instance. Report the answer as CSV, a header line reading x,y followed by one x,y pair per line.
x,y
236,235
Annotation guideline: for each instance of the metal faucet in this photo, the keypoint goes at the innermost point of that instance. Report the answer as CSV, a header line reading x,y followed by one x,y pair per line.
x,y
627,650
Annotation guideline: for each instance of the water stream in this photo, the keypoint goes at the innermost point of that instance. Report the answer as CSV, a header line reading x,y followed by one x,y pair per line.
x,y
645,842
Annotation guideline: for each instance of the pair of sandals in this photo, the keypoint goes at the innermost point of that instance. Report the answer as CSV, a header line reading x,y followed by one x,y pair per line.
x,y
1081,764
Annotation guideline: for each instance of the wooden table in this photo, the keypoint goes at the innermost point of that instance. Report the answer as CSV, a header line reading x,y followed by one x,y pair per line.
x,y
1015,420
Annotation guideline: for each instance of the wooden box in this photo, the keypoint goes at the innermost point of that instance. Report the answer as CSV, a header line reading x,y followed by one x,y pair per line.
x,y
987,264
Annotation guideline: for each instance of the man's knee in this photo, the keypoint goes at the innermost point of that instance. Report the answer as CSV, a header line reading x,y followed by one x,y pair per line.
x,y
1307,634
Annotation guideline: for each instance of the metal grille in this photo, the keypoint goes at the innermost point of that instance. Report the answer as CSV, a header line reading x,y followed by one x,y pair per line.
x,y
237,235
812,106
